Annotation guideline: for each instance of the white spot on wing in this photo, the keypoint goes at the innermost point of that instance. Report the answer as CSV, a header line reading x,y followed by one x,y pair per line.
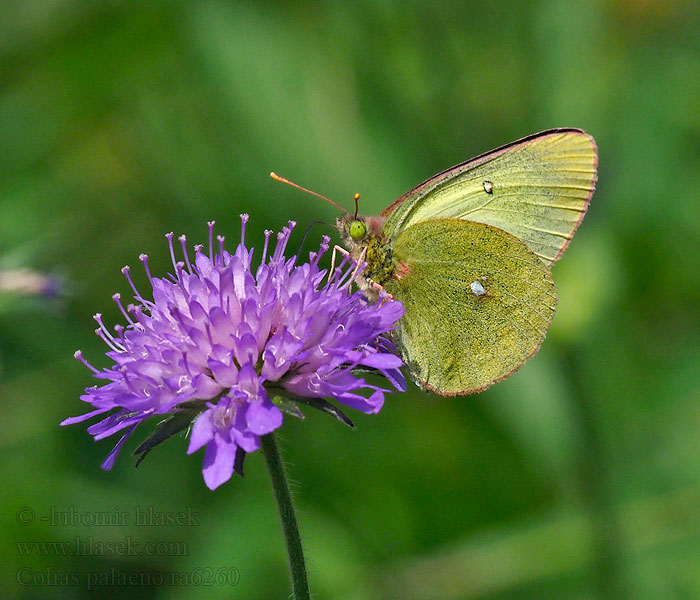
x,y
488,187
477,289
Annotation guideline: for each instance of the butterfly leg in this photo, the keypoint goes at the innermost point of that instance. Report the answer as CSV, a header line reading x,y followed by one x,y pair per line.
x,y
379,288
346,254
336,249
360,260
358,264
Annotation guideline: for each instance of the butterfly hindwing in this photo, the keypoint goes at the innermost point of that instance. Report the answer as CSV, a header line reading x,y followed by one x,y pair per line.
x,y
477,303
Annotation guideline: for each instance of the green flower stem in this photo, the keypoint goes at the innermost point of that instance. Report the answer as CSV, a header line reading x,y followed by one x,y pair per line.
x,y
300,585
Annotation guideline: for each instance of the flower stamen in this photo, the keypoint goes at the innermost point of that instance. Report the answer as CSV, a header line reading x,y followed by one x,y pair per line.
x,y
78,355
183,243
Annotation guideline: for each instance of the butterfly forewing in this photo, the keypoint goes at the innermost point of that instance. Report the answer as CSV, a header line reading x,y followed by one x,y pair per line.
x,y
477,303
537,188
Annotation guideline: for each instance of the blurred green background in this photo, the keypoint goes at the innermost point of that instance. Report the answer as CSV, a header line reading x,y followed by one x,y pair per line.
x,y
578,477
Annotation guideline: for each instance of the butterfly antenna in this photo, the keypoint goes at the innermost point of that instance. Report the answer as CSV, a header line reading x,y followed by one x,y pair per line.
x,y
357,205
277,177
306,233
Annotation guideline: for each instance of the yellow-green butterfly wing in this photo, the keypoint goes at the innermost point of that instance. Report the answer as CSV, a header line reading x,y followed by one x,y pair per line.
x,y
537,188
477,303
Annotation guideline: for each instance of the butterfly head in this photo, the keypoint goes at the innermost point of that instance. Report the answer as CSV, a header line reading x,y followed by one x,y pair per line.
x,y
357,230
353,229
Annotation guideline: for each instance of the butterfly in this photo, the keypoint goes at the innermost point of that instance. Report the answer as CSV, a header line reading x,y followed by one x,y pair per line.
x,y
468,252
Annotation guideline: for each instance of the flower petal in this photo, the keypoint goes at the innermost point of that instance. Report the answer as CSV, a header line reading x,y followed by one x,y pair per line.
x,y
202,431
219,458
262,416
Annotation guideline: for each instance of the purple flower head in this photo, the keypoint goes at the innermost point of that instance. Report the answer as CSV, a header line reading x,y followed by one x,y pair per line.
x,y
232,346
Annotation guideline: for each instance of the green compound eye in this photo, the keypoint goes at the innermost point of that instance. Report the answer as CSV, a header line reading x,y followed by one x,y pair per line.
x,y
357,230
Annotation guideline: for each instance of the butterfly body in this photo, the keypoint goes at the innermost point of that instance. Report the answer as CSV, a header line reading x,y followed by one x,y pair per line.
x,y
468,253
372,248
